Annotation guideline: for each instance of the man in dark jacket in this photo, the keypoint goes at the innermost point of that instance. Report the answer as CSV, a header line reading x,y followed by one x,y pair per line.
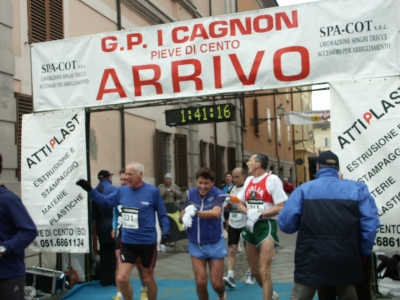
x,y
104,217
17,231
336,222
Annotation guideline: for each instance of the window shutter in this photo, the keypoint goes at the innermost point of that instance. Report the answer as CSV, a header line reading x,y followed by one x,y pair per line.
x,y
231,158
158,157
211,151
255,109
220,166
56,20
45,19
24,106
181,161
203,152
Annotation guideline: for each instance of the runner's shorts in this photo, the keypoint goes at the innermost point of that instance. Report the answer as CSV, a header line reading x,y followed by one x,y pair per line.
x,y
262,230
147,253
209,251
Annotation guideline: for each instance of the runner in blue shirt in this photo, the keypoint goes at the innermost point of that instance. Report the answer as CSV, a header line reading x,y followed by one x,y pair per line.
x,y
140,201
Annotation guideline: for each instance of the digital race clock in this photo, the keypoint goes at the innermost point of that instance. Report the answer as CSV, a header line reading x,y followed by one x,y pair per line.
x,y
200,114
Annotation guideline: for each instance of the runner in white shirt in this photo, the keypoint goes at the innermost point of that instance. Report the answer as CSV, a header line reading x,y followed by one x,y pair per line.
x,y
261,199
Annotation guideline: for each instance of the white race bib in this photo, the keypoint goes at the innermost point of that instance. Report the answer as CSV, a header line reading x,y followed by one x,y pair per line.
x,y
236,216
257,204
130,218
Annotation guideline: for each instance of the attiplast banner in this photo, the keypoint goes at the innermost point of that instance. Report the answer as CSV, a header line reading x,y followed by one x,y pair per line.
x,y
53,158
365,123
270,48
307,117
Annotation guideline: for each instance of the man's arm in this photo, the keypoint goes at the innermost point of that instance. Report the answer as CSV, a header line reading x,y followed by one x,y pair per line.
x,y
215,212
289,217
161,213
177,192
369,220
26,229
108,201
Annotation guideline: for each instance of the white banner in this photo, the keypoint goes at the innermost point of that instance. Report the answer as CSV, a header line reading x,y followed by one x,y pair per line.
x,y
365,123
53,159
271,48
307,117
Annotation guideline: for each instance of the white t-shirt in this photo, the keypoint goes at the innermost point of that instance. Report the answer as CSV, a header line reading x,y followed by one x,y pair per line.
x,y
236,218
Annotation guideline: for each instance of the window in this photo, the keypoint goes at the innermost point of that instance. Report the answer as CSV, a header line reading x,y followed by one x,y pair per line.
x,y
211,151
203,154
45,19
326,142
231,158
162,155
255,110
219,172
181,161
24,106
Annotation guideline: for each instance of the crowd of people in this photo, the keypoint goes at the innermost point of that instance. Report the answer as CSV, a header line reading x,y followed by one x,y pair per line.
x,y
329,214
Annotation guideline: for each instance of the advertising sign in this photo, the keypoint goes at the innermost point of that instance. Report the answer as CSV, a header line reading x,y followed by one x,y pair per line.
x,y
53,158
269,48
365,122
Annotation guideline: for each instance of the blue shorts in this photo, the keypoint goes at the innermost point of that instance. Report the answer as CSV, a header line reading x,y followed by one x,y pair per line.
x,y
209,251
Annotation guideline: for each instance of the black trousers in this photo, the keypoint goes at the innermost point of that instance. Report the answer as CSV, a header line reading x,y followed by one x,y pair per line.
x,y
363,289
107,264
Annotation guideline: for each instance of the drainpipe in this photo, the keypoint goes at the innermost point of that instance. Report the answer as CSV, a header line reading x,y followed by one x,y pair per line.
x,y
210,7
276,133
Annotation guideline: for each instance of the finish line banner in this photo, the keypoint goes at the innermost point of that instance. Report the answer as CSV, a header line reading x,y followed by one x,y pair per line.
x,y
365,123
270,48
53,158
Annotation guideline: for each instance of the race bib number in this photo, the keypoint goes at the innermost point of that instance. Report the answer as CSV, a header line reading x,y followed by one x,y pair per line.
x,y
130,218
236,215
256,204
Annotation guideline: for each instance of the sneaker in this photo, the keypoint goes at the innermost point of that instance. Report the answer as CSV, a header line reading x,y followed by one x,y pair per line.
x,y
250,278
143,294
275,296
229,282
117,297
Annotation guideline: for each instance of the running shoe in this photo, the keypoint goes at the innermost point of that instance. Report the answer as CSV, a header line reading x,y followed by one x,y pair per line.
x,y
143,294
229,282
275,296
250,278
117,297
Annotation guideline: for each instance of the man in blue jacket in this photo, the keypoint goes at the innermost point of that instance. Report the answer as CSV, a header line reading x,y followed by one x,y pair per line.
x,y
140,201
202,216
17,231
104,217
336,222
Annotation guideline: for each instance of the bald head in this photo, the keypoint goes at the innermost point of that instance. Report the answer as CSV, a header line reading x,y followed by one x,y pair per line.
x,y
238,176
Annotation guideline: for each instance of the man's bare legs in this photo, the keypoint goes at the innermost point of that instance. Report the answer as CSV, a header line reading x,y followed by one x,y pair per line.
x,y
124,274
260,265
216,273
150,283
123,280
117,253
200,274
140,267
232,256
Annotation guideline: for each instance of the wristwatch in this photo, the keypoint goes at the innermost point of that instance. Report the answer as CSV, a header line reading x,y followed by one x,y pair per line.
x,y
3,249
